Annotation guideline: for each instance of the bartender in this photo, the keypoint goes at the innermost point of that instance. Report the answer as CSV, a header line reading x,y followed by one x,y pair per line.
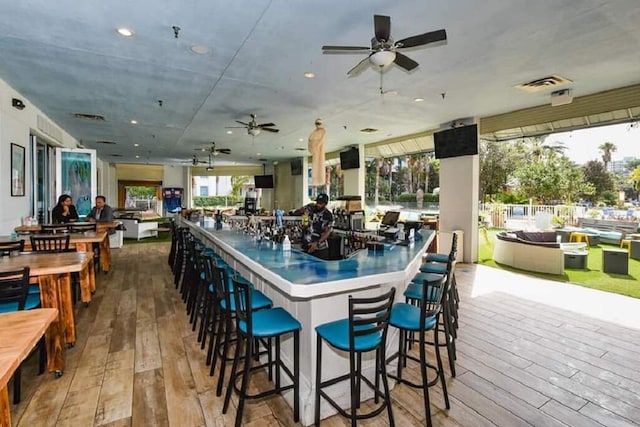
x,y
314,239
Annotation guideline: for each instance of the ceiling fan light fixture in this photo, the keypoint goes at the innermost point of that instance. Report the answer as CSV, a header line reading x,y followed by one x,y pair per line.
x,y
254,131
382,58
199,49
125,32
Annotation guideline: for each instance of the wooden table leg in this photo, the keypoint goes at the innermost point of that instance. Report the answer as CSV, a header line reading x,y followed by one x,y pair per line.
x,y
55,292
55,335
87,281
105,254
5,413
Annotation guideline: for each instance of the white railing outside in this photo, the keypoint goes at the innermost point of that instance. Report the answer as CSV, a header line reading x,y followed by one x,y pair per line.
x,y
511,216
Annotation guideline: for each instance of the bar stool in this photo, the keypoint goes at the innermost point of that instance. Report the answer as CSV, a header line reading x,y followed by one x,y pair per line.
x,y
411,320
625,243
413,294
224,297
365,330
271,323
440,267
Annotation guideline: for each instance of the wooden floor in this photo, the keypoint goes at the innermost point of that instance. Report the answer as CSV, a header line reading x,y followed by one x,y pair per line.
x,y
523,359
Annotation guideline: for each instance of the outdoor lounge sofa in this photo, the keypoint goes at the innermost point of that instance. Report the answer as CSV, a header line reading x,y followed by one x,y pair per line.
x,y
609,231
531,251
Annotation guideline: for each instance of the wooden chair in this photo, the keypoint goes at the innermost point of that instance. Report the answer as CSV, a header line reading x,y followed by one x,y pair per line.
x,y
55,243
14,246
15,296
54,228
75,227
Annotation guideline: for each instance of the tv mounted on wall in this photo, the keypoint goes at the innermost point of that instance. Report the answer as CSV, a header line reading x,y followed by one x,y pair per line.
x,y
456,142
350,159
296,167
263,181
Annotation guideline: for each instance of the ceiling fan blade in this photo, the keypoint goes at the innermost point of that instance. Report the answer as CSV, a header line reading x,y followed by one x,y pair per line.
x,y
344,48
225,150
266,125
271,130
359,67
243,123
382,26
422,39
405,62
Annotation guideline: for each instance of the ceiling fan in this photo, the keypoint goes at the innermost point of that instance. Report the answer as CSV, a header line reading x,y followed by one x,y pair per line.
x,y
213,151
384,50
195,161
253,128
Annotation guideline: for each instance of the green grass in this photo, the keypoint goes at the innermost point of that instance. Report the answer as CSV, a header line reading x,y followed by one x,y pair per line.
x,y
592,277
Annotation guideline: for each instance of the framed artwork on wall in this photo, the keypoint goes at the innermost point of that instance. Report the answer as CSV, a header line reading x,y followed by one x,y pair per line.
x,y
17,170
76,175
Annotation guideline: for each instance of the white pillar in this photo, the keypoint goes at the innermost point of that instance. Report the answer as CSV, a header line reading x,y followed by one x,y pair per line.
x,y
353,179
459,192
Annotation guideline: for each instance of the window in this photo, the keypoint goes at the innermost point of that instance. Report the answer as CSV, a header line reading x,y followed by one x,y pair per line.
x,y
204,190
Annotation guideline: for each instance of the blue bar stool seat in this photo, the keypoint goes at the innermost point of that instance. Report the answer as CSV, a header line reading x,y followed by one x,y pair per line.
x,y
414,320
363,331
271,323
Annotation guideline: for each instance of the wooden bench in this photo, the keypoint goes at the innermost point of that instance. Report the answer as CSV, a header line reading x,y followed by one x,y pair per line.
x,y
612,231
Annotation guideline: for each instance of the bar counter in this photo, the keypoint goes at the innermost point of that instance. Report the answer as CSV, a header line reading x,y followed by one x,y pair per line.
x,y
315,292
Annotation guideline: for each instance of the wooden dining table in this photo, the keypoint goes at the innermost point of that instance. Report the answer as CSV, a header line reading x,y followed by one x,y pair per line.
x,y
82,242
20,332
53,273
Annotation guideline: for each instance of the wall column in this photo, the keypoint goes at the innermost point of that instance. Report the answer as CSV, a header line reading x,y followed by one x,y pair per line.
x,y
353,179
459,192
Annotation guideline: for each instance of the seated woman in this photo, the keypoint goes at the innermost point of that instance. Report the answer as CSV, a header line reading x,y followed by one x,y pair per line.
x,y
64,211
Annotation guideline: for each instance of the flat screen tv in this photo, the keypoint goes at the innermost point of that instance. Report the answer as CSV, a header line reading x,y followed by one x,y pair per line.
x,y
263,181
296,167
350,159
456,142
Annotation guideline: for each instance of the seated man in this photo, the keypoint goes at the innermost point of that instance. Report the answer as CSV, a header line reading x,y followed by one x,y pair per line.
x,y
101,212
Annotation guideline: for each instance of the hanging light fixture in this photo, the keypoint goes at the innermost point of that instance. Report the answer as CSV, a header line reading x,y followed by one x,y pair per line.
x,y
382,58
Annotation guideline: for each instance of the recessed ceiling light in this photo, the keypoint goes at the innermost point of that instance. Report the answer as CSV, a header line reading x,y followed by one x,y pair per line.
x,y
418,99
300,139
199,49
134,122
137,157
125,32
309,74
258,154
229,132
136,145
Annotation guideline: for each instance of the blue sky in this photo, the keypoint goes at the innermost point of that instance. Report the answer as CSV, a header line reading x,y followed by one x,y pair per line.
x,y
582,145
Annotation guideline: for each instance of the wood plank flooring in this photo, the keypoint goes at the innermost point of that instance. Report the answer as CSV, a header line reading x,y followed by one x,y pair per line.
x,y
523,359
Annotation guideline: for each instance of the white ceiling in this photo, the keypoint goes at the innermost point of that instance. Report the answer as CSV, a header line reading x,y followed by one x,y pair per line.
x,y
66,57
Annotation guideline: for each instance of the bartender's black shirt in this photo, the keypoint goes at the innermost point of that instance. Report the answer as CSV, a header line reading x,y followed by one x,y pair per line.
x,y
319,220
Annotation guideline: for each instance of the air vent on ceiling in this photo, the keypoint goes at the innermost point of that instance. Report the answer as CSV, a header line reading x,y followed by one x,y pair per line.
x,y
368,130
301,149
116,155
262,160
94,117
543,84
106,142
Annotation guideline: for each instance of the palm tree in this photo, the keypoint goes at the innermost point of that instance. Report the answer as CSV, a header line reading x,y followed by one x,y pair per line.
x,y
237,182
607,148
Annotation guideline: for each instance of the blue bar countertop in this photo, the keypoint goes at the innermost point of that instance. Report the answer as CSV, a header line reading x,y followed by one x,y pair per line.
x,y
303,275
